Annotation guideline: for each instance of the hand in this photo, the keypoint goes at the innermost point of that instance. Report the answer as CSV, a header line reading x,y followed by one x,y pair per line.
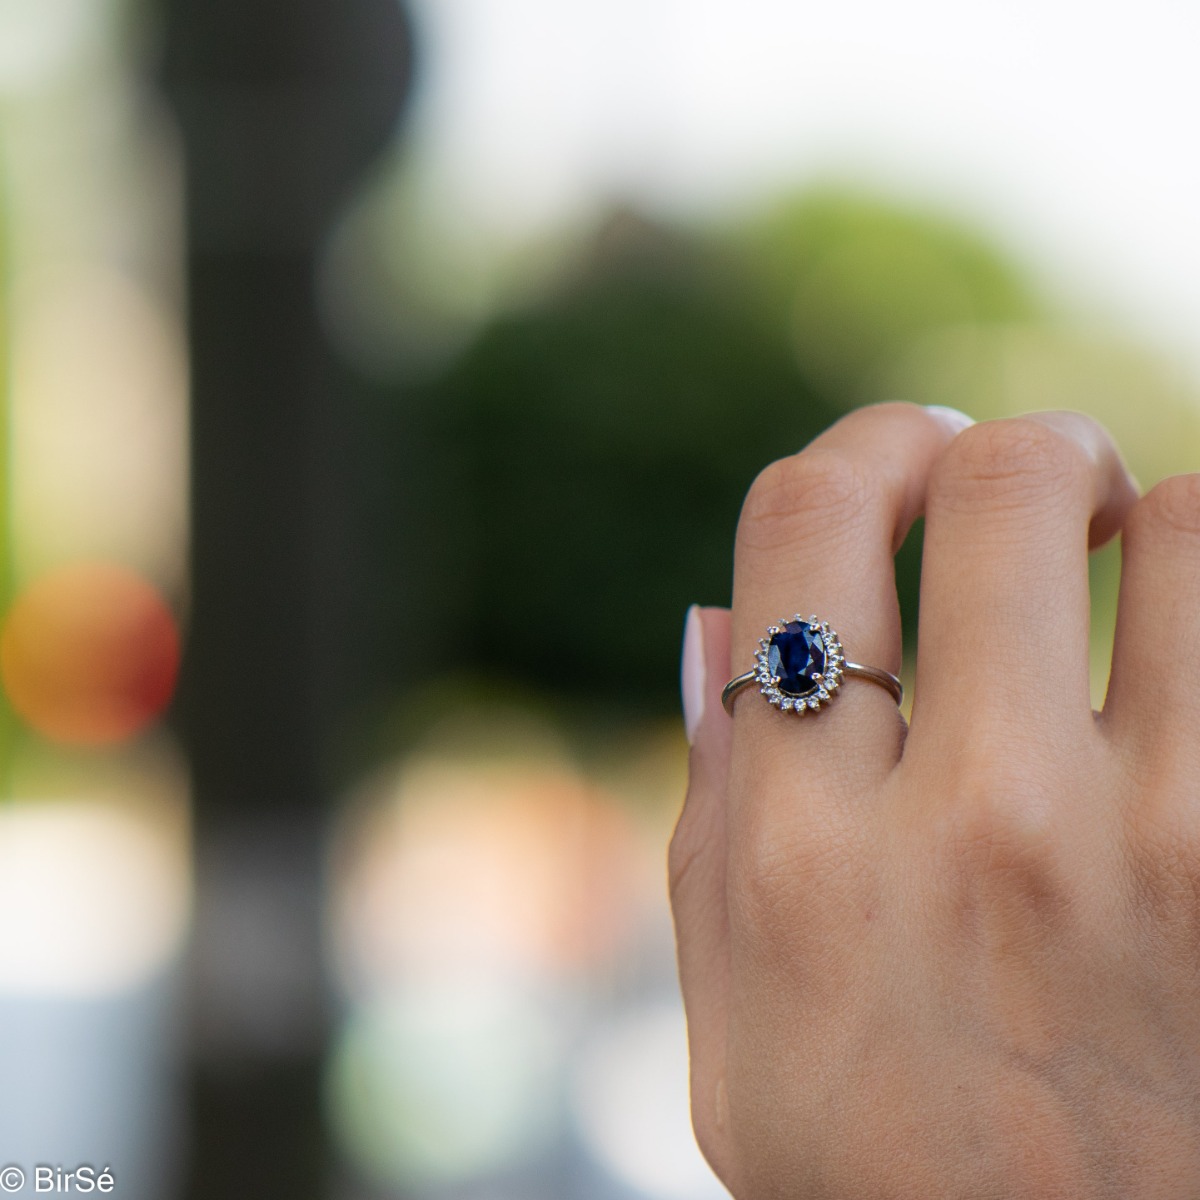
x,y
960,959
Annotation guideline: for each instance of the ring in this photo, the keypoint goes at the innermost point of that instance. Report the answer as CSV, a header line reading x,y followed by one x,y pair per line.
x,y
799,666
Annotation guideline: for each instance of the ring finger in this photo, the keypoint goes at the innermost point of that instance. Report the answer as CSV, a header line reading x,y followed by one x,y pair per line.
x,y
817,534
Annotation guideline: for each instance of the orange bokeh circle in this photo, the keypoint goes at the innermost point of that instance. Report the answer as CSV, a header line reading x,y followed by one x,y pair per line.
x,y
89,654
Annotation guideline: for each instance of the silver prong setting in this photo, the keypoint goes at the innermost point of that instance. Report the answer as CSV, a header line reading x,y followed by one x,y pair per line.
x,y
826,683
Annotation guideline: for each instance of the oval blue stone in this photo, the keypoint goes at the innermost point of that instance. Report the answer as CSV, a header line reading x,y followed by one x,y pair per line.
x,y
795,656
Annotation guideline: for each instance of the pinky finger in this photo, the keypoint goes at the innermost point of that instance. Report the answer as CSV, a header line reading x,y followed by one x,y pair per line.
x,y
696,863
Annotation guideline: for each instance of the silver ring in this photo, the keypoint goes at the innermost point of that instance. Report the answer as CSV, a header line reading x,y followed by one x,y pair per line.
x,y
799,667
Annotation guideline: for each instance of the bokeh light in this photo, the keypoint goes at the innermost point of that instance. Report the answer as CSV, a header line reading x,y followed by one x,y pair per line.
x,y
40,39
89,654
487,892
99,421
447,1084
483,870
95,872
95,797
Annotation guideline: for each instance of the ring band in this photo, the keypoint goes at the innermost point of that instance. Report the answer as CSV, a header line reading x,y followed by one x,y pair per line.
x,y
799,666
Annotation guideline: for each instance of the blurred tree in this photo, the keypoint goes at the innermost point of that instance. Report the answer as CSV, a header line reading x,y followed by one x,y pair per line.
x,y
861,281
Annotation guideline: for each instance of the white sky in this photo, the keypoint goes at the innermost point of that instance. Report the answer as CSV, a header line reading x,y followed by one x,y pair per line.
x,y
1066,128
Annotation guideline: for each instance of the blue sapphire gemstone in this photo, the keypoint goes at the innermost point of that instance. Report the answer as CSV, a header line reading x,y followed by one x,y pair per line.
x,y
796,656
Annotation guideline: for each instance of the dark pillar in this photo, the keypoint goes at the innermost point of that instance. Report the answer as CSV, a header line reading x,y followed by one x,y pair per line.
x,y
282,104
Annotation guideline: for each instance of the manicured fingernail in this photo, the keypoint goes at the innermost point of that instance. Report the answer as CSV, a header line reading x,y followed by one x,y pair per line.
x,y
692,672
954,420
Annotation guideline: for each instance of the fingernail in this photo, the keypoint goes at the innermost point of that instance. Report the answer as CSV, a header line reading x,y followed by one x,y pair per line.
x,y
692,673
954,420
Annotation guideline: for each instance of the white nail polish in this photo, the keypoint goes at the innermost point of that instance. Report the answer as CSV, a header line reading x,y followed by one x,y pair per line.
x,y
954,420
692,672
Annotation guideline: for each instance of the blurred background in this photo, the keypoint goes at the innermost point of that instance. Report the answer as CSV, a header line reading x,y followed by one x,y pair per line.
x,y
380,384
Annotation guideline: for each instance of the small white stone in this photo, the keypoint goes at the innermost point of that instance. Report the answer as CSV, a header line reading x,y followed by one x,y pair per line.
x,y
813,702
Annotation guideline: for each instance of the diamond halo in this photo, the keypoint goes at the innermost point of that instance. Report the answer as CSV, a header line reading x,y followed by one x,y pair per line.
x,y
824,684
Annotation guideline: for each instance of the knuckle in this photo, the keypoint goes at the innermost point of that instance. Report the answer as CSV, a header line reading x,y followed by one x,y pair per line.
x,y
1015,459
895,410
998,830
762,869
1000,844
824,485
1173,504
790,883
894,414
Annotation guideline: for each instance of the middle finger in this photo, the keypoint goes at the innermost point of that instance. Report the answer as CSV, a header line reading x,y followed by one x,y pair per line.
x,y
1012,509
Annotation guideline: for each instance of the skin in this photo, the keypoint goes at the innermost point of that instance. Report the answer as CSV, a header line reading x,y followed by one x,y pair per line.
x,y
959,958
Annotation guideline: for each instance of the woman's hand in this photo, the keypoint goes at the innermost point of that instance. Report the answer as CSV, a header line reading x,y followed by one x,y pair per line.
x,y
960,959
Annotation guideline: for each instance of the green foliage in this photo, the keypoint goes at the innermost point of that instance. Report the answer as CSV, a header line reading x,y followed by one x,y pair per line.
x,y
860,282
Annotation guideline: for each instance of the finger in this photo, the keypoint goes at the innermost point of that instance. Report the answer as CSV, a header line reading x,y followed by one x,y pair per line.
x,y
697,870
1013,507
1153,700
817,534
